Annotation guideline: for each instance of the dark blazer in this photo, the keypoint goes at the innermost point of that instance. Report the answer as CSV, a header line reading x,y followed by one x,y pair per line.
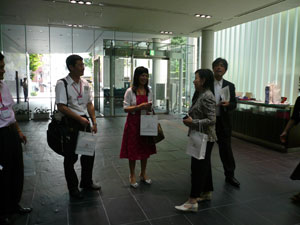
x,y
226,111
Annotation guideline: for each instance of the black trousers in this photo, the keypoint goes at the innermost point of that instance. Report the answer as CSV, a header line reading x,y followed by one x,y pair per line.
x,y
225,150
12,174
201,173
87,162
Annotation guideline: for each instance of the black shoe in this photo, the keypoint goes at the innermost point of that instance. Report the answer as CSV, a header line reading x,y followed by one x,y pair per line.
x,y
93,187
22,210
76,194
5,221
232,181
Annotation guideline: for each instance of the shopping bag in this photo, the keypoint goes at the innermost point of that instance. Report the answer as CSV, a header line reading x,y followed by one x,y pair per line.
x,y
149,125
196,146
86,143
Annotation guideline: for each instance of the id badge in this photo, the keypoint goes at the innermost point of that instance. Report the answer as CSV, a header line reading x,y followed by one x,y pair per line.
x,y
80,100
5,113
86,89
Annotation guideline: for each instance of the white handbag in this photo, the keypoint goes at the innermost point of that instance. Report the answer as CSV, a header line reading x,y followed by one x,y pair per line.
x,y
149,125
197,142
86,143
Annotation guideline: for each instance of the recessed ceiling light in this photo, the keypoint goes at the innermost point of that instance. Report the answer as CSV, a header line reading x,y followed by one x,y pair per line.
x,y
170,32
202,16
73,1
75,25
101,4
208,17
81,2
69,25
80,25
197,15
162,32
88,3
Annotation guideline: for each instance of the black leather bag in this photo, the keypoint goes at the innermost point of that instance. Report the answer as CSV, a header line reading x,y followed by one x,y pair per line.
x,y
58,133
58,136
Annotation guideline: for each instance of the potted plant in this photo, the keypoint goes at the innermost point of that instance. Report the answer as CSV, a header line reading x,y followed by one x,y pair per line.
x,y
41,114
22,115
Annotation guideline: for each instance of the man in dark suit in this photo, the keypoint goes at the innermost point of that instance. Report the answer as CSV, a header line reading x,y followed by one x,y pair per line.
x,y
223,125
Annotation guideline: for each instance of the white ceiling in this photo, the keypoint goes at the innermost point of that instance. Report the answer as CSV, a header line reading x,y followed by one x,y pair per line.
x,y
145,16
138,16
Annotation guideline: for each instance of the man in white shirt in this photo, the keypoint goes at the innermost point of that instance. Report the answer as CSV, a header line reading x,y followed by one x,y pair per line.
x,y
11,155
74,110
223,124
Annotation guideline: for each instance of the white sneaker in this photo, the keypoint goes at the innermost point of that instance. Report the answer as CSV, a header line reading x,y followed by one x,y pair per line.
x,y
188,207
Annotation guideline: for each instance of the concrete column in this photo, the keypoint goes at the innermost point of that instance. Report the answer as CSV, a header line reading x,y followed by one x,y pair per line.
x,y
207,49
155,70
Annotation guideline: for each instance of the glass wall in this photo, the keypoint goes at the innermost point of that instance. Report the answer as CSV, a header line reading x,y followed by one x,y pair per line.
x,y
39,53
263,51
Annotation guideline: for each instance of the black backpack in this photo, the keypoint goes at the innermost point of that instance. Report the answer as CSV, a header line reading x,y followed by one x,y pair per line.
x,y
58,133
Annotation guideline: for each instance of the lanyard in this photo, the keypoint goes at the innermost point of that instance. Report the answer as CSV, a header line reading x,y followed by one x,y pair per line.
x,y
78,92
1,102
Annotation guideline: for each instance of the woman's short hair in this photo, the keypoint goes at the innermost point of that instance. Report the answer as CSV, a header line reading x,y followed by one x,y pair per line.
x,y
137,73
207,74
218,61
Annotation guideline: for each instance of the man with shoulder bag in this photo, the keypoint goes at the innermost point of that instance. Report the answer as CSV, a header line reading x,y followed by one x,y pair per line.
x,y
73,108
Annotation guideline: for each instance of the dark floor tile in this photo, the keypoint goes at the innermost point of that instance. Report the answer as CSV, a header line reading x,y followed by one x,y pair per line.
x,y
208,217
123,210
172,220
278,210
156,205
87,213
240,214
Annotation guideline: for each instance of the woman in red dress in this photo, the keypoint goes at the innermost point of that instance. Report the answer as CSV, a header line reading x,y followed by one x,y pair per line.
x,y
137,101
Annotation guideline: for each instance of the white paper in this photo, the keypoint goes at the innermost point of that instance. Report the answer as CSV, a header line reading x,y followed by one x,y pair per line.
x,y
86,143
149,125
225,94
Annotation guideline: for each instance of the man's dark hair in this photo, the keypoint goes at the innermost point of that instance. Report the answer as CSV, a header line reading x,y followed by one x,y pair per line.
x,y
1,56
137,73
218,61
72,59
208,75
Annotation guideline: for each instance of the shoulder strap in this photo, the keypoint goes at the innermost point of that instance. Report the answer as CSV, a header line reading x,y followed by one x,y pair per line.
x,y
66,87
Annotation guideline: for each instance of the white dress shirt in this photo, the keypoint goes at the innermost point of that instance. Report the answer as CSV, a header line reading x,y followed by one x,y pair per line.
x,y
75,90
7,104
218,86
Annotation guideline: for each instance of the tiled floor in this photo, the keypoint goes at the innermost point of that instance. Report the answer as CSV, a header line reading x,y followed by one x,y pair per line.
x,y
262,199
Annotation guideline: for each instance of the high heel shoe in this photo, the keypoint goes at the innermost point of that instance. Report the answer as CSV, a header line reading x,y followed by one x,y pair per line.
x,y
133,184
187,206
146,181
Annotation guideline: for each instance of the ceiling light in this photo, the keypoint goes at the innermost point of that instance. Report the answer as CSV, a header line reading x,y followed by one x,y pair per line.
x,y
170,32
88,3
81,2
100,4
208,17
162,32
197,15
73,1
69,25
75,25
202,16
80,25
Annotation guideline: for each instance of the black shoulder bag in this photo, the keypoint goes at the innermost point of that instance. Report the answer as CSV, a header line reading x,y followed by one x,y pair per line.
x,y
58,133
